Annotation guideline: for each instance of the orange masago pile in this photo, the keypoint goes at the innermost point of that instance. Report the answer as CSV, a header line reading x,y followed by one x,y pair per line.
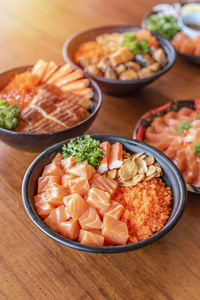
x,y
76,201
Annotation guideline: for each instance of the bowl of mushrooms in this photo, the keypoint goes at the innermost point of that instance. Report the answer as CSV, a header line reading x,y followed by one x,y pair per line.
x,y
120,59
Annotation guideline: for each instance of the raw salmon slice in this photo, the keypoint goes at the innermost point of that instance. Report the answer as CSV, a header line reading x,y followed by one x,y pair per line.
x,y
75,205
82,170
56,216
69,229
98,198
52,169
115,232
68,163
90,238
116,156
54,194
43,182
90,219
115,210
79,185
57,159
106,184
106,147
65,180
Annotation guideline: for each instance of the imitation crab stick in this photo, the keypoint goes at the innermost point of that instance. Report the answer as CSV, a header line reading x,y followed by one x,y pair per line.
x,y
106,147
90,238
116,156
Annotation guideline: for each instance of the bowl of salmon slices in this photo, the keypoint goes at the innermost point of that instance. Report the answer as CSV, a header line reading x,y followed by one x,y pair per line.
x,y
103,193
174,129
43,104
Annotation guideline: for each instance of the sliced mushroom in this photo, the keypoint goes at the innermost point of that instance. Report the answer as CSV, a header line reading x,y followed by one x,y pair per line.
x,y
94,70
133,65
144,72
110,73
159,56
128,75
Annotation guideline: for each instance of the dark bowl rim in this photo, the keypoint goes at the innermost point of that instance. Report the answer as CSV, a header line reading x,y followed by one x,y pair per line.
x,y
162,41
52,133
191,188
106,249
189,57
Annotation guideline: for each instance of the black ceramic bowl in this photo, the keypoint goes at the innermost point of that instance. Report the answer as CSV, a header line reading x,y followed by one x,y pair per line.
x,y
146,120
188,57
38,142
117,87
171,176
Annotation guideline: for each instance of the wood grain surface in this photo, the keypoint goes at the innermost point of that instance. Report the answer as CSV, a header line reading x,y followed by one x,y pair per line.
x,y
32,266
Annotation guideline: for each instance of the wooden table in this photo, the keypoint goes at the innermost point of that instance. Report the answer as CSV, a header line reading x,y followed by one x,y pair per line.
x,y
32,266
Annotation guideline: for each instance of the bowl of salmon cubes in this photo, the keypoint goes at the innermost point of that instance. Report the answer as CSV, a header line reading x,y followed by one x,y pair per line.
x,y
103,193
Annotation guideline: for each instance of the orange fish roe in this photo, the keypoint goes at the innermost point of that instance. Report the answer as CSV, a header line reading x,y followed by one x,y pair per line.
x,y
21,89
147,208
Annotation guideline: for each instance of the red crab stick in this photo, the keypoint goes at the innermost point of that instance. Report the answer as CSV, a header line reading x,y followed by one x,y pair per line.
x,y
116,156
106,147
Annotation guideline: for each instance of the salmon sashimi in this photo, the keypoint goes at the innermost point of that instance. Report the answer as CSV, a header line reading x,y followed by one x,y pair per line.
x,y
54,194
42,206
82,170
51,68
106,147
43,182
62,71
75,205
90,238
56,216
79,185
52,169
90,219
39,69
69,229
115,210
116,156
57,159
98,198
68,163
115,232
65,180
105,183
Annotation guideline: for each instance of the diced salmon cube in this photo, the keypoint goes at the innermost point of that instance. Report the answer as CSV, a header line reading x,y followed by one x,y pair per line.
x,y
115,210
57,159
65,180
42,206
52,169
98,198
75,205
115,232
90,238
54,194
116,156
43,182
68,163
90,219
69,229
106,147
79,185
82,170
106,184
56,216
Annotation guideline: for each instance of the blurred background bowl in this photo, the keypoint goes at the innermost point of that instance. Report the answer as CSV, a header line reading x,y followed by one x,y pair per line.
x,y
146,120
171,177
117,87
36,142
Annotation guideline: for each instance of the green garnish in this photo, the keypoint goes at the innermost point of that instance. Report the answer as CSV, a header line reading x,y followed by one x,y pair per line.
x,y
167,26
130,41
84,149
198,117
9,115
183,126
197,149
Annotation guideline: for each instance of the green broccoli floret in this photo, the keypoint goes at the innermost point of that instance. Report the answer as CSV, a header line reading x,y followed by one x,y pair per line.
x,y
9,115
